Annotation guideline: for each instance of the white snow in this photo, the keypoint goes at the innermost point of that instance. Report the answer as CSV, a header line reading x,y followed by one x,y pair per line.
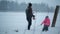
x,y
11,21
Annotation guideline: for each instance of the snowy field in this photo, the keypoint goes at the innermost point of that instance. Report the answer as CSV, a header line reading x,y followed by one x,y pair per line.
x,y
11,21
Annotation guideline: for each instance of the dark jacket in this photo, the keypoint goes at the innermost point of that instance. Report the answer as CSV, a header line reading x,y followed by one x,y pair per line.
x,y
29,13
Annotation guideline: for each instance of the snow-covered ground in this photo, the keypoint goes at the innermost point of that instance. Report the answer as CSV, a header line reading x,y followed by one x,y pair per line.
x,y
11,21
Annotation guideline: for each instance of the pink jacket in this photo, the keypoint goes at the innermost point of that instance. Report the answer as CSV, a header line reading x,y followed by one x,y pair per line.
x,y
46,22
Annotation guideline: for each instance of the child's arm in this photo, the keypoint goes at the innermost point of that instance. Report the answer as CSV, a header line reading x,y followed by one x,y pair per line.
x,y
43,22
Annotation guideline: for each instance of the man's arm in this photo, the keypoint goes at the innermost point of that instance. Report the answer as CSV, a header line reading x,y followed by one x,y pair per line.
x,y
32,13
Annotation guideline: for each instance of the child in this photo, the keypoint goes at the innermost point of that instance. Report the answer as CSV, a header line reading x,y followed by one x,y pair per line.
x,y
46,23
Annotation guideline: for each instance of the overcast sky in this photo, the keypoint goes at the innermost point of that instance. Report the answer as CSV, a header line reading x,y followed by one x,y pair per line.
x,y
49,2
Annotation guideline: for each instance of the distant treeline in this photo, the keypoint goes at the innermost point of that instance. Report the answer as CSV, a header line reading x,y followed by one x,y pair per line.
x,y
14,6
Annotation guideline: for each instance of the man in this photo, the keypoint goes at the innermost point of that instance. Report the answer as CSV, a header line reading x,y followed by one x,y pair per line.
x,y
29,15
